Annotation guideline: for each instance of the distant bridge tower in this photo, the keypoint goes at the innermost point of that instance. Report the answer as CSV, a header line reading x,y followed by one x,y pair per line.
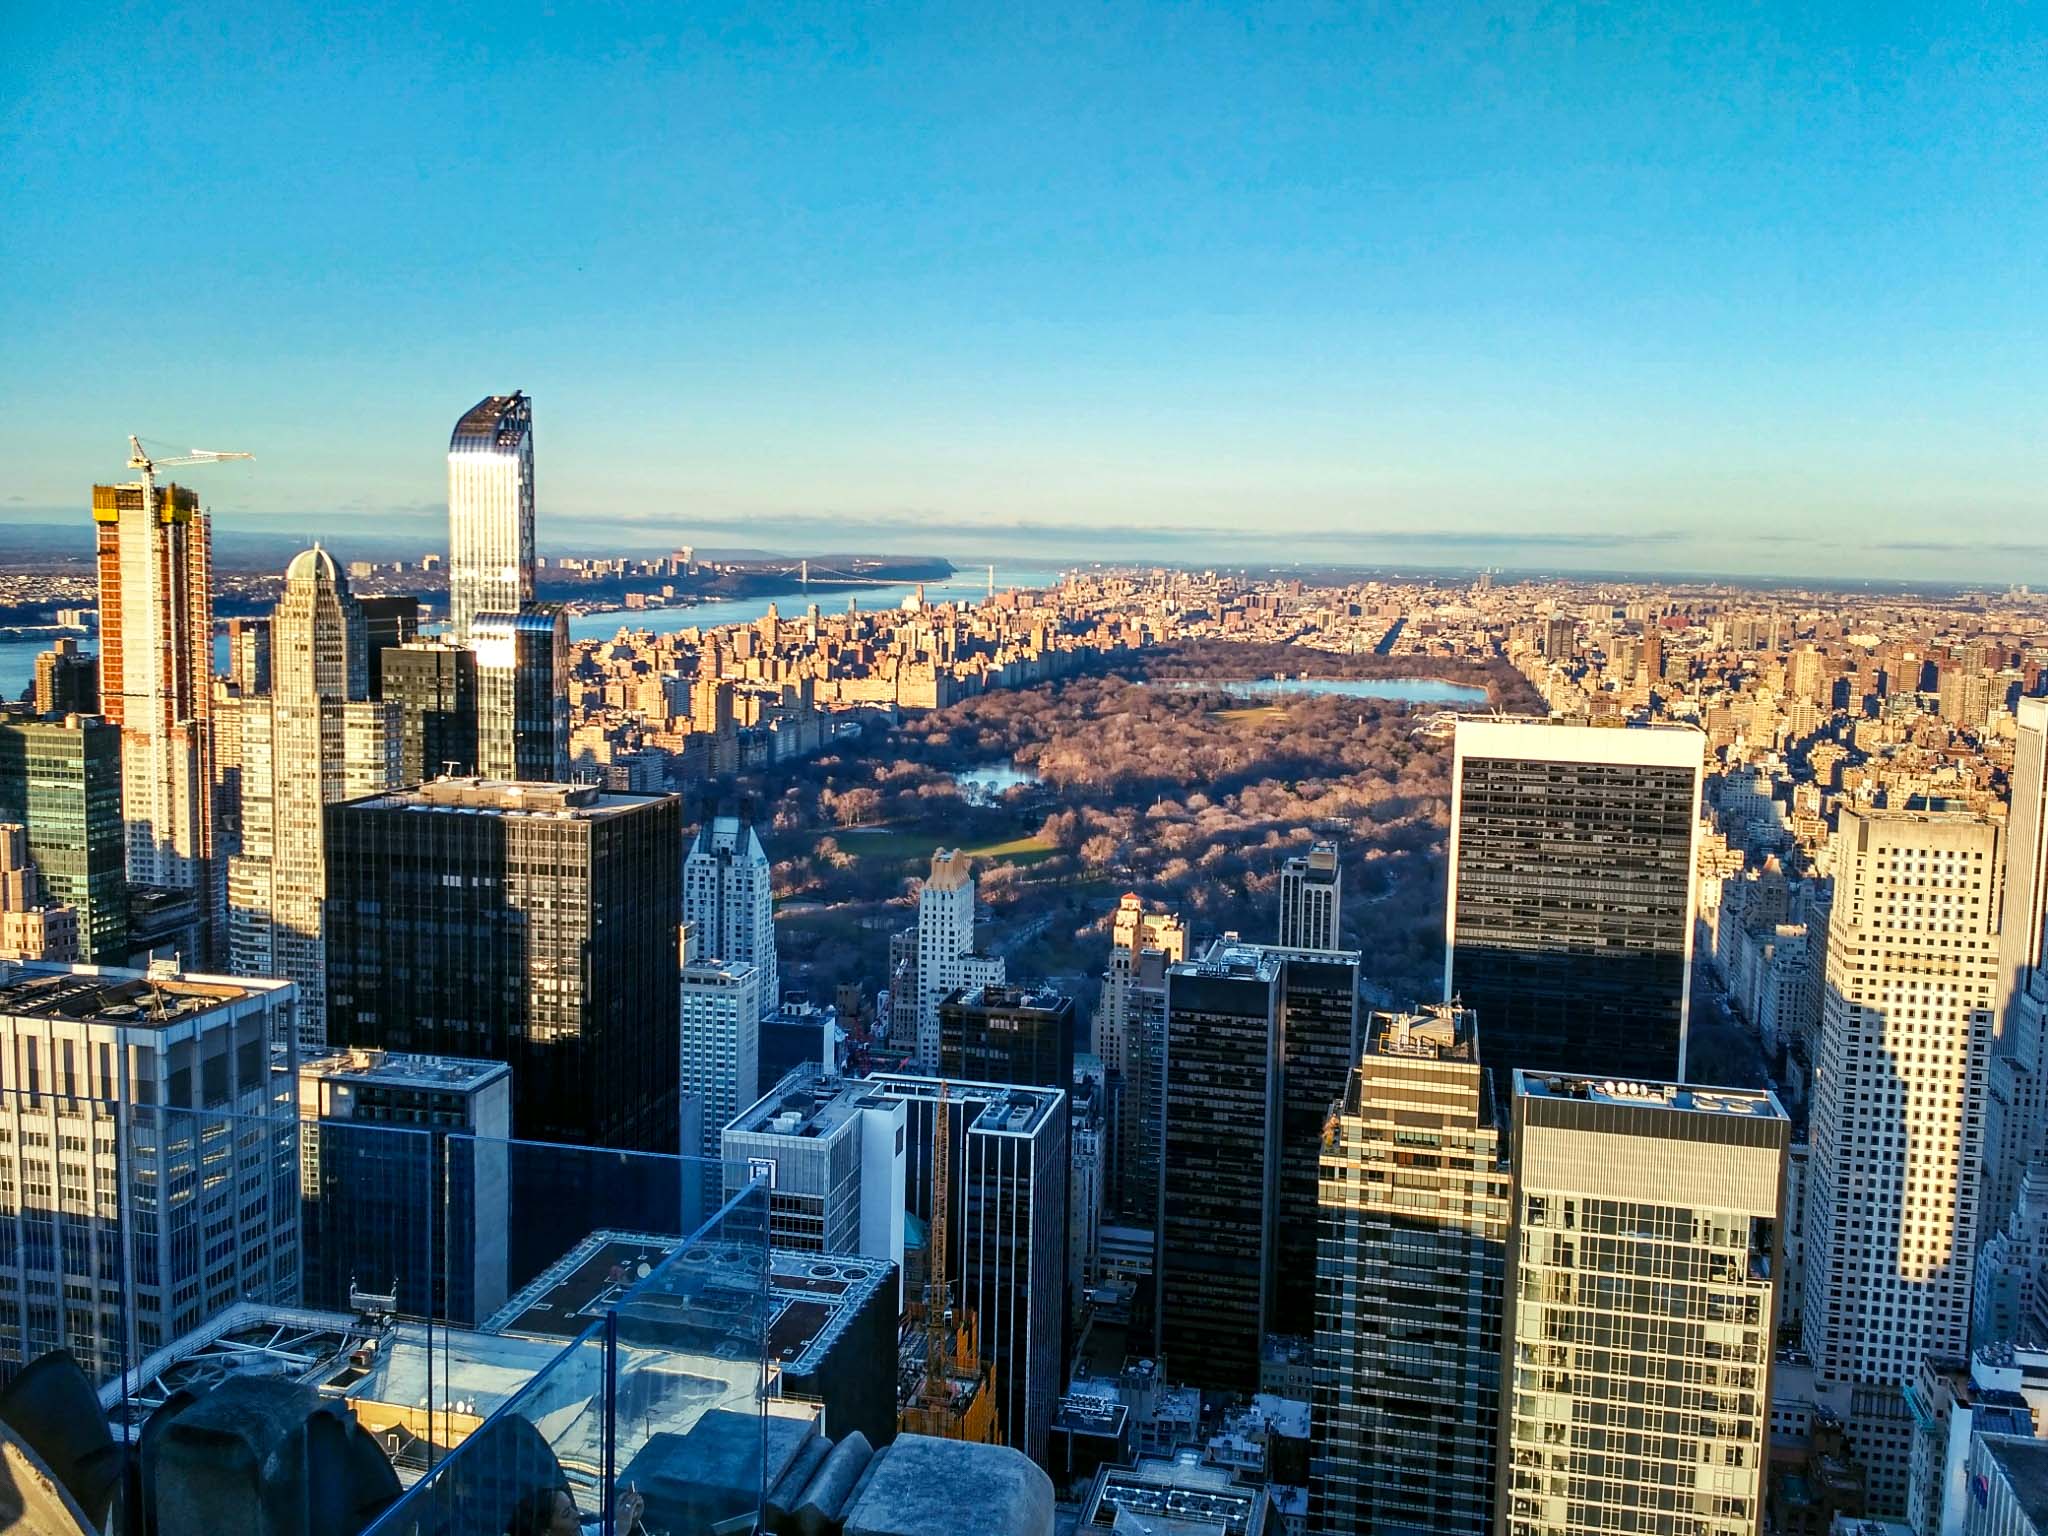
x,y
807,574
991,581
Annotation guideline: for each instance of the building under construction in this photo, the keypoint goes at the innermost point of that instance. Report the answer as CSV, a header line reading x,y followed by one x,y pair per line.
x,y
942,1387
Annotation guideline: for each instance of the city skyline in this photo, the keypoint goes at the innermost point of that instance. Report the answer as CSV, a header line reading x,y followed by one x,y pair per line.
x,y
1671,290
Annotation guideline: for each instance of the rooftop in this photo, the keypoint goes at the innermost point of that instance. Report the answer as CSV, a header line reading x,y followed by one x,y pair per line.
x,y
496,421
405,1070
1178,1496
2024,1462
505,797
1438,1032
812,1297
1758,1104
1561,741
806,1103
111,995
1004,1109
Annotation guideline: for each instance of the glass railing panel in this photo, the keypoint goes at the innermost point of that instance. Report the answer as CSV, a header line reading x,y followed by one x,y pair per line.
x,y
695,1434
530,1447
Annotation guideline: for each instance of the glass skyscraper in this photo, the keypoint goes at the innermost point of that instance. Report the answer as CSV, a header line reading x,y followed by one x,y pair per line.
x,y
1570,917
62,780
522,703
490,511
533,924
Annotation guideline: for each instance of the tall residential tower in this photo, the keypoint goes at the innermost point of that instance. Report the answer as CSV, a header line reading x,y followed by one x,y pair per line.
x,y
490,511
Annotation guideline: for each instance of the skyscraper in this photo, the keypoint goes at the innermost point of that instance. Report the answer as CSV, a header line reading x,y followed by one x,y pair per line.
x,y
126,1190
156,644
1569,925
67,681
389,620
2016,1118
315,740
1219,1181
1319,1049
1008,1239
720,1049
1130,1037
729,901
945,947
61,779
1311,899
522,703
1641,1299
1892,1207
390,1204
1413,1240
490,511
433,685
1005,1034
531,923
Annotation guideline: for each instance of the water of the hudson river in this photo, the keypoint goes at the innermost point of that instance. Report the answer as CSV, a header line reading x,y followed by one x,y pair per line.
x,y
18,653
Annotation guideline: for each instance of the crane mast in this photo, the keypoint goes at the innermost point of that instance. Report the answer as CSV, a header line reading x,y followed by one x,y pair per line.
x,y
937,1349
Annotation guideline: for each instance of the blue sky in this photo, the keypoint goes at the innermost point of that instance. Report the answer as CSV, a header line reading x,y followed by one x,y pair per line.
x,y
1756,288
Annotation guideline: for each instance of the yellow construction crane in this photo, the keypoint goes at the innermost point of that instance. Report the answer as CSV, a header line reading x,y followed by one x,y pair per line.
x,y
938,1352
138,460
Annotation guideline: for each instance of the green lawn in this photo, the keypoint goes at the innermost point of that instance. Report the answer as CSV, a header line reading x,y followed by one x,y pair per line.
x,y
1251,714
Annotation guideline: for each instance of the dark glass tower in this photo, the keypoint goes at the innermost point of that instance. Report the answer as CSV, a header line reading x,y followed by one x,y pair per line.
x,y
434,687
522,701
1569,925
62,780
388,621
1319,1044
1220,1164
533,924
1001,1034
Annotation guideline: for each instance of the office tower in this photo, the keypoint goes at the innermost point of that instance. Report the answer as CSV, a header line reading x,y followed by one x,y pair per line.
x,y
833,1150
391,1206
1007,1231
530,923
389,620
32,927
1220,1165
61,780
1087,1172
1319,1047
1892,1208
2016,1118
729,900
1560,638
156,644
317,739
1311,899
249,655
720,1046
1569,924
67,680
1130,1037
433,685
490,511
1641,1298
1413,1241
945,947
151,1145
1005,1034
522,701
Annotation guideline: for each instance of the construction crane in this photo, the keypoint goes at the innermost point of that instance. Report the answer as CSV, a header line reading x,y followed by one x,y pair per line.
x,y
138,460
938,1349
